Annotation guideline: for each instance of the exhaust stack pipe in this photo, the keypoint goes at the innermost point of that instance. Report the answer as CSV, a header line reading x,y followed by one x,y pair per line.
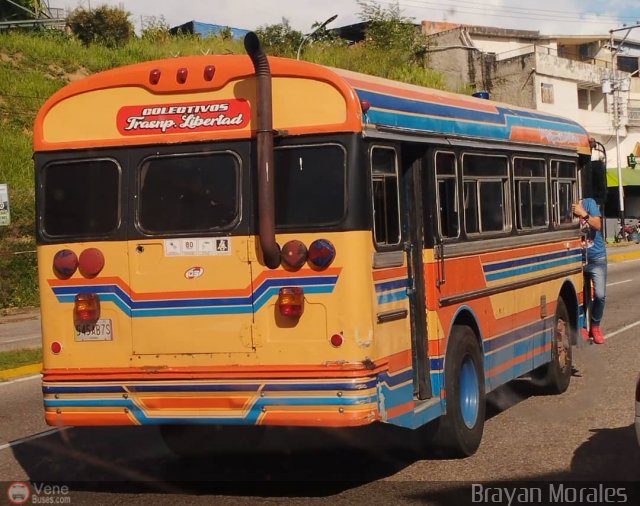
x,y
264,137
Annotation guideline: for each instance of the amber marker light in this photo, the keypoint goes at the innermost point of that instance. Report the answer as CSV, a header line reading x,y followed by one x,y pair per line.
x,y
291,301
86,310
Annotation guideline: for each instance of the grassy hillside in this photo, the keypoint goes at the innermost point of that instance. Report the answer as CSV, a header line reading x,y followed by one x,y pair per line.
x,y
33,66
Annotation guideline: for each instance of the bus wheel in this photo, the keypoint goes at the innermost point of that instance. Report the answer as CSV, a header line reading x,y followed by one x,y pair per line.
x,y
201,440
554,377
459,431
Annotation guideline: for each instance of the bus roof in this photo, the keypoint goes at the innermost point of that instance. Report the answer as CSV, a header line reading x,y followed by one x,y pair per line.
x,y
198,98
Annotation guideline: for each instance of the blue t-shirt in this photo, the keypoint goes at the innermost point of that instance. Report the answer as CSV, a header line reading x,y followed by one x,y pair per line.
x,y
596,247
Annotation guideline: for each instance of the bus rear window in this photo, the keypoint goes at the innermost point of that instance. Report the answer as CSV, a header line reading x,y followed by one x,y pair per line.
x,y
309,185
189,193
81,198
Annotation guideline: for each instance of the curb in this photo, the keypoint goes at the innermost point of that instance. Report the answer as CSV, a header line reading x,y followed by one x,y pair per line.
x,y
621,257
25,370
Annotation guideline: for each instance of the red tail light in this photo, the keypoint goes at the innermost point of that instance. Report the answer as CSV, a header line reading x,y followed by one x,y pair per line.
x,y
293,254
291,301
65,263
91,262
86,310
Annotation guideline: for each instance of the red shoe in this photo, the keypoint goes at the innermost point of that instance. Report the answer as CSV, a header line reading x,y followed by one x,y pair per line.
x,y
585,334
598,338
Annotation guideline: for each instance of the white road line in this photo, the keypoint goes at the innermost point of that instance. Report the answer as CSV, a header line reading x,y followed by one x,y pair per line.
x,y
623,329
26,338
620,282
31,438
19,380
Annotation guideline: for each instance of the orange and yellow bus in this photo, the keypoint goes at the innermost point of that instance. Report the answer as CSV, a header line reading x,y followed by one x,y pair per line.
x,y
243,240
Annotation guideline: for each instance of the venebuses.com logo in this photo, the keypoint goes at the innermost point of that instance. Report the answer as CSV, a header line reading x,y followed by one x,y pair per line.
x,y
20,492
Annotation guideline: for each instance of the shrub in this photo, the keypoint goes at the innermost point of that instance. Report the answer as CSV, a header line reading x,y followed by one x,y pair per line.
x,y
108,26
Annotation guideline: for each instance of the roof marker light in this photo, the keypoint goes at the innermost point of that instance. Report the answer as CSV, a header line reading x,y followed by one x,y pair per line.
x,y
154,76
209,71
182,74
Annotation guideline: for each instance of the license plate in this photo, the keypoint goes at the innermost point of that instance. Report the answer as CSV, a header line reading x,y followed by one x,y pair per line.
x,y
101,331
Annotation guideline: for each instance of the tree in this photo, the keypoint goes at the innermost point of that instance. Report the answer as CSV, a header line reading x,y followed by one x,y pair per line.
x,y
280,39
155,29
10,12
388,29
109,26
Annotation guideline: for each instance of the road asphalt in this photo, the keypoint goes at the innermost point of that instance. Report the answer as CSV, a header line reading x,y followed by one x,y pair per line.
x,y
20,328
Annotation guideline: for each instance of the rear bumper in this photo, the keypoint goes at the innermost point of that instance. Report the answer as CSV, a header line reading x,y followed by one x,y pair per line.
x,y
332,402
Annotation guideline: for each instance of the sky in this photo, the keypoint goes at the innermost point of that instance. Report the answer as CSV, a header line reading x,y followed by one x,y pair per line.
x,y
550,17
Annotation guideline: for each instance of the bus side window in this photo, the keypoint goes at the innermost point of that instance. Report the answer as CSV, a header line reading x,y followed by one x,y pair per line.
x,y
564,190
447,195
386,202
486,184
530,193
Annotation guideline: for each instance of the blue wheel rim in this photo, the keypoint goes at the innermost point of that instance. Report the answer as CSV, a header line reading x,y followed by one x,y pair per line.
x,y
469,392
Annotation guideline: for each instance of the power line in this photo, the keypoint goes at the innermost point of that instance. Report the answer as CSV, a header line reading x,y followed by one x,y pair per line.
x,y
508,12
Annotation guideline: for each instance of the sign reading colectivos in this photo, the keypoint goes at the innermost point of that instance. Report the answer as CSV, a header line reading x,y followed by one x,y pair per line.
x,y
185,117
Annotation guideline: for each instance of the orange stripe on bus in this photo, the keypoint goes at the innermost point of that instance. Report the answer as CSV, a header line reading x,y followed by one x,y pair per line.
x,y
517,360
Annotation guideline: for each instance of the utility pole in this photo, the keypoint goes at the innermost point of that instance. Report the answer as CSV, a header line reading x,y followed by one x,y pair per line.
x,y
617,85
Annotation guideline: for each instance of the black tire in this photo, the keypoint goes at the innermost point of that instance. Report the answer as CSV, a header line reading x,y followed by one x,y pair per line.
x,y
555,376
203,440
458,433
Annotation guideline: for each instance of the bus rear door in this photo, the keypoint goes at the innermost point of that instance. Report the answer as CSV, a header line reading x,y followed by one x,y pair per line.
x,y
191,287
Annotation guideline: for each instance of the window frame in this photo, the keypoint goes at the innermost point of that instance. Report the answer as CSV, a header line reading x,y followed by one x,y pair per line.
x,y
43,202
191,154
505,181
556,181
455,177
385,246
344,181
516,193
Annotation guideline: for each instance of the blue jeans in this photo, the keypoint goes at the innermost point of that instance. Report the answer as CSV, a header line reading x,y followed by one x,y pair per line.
x,y
595,271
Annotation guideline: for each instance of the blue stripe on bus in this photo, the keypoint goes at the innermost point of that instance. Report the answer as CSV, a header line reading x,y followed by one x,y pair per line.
x,y
530,260
501,116
250,417
195,306
392,296
531,268
391,285
534,328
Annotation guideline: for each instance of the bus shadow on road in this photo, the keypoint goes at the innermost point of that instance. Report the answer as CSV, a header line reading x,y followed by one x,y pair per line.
x,y
288,461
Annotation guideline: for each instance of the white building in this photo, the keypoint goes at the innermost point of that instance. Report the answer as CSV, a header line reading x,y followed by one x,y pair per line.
x,y
559,74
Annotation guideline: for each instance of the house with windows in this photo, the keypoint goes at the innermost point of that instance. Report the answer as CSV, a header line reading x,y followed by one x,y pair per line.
x,y
585,78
